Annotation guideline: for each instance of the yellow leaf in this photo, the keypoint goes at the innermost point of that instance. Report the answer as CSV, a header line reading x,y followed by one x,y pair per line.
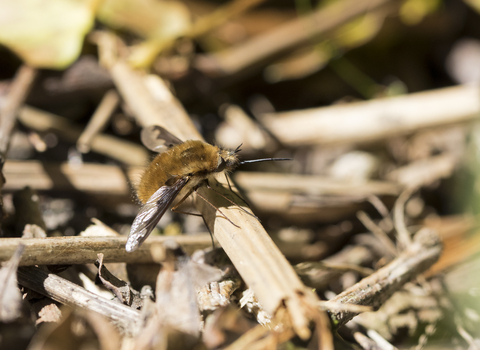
x,y
46,33
359,31
413,11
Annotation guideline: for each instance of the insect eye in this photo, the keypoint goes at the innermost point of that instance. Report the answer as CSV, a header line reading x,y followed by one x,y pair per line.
x,y
221,164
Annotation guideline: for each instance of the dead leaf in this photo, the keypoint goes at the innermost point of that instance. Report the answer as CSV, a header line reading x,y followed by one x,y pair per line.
x,y
49,311
10,296
118,287
177,295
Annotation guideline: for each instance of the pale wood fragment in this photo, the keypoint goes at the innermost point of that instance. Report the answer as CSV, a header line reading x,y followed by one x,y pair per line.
x,y
111,146
377,119
424,172
312,184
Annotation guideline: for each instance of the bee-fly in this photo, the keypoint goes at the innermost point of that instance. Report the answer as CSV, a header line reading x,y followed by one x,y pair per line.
x,y
177,171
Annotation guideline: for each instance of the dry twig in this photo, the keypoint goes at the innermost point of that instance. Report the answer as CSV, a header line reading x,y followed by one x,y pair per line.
x,y
84,250
378,287
8,112
111,146
98,120
66,292
18,92
285,37
376,119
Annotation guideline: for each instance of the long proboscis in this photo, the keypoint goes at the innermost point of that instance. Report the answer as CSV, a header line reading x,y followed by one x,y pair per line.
x,y
263,160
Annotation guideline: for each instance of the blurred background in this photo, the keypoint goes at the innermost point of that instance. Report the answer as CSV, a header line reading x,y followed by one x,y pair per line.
x,y
376,102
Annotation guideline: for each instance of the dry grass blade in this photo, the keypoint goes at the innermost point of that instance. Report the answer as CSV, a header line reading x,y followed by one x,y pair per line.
x,y
221,15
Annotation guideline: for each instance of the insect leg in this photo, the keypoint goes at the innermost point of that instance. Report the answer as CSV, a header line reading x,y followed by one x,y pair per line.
x,y
174,208
239,207
209,231
235,193
206,200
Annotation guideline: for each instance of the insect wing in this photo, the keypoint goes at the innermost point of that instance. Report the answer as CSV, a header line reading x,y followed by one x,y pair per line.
x,y
151,213
158,139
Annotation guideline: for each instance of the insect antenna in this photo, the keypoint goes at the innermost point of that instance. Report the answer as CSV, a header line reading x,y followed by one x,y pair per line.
x,y
262,160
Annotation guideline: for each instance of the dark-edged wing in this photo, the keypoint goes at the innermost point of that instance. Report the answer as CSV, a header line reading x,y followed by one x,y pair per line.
x,y
151,213
158,139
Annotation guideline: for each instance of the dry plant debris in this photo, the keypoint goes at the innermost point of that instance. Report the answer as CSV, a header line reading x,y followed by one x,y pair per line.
x,y
368,238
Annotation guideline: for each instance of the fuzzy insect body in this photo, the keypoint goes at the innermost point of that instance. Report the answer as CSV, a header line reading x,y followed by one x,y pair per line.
x,y
195,160
177,171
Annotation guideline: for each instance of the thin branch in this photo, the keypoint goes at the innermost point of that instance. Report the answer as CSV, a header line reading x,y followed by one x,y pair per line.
x,y
381,208
378,232
365,342
150,49
424,172
378,287
84,250
313,185
403,235
320,278
18,92
98,120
